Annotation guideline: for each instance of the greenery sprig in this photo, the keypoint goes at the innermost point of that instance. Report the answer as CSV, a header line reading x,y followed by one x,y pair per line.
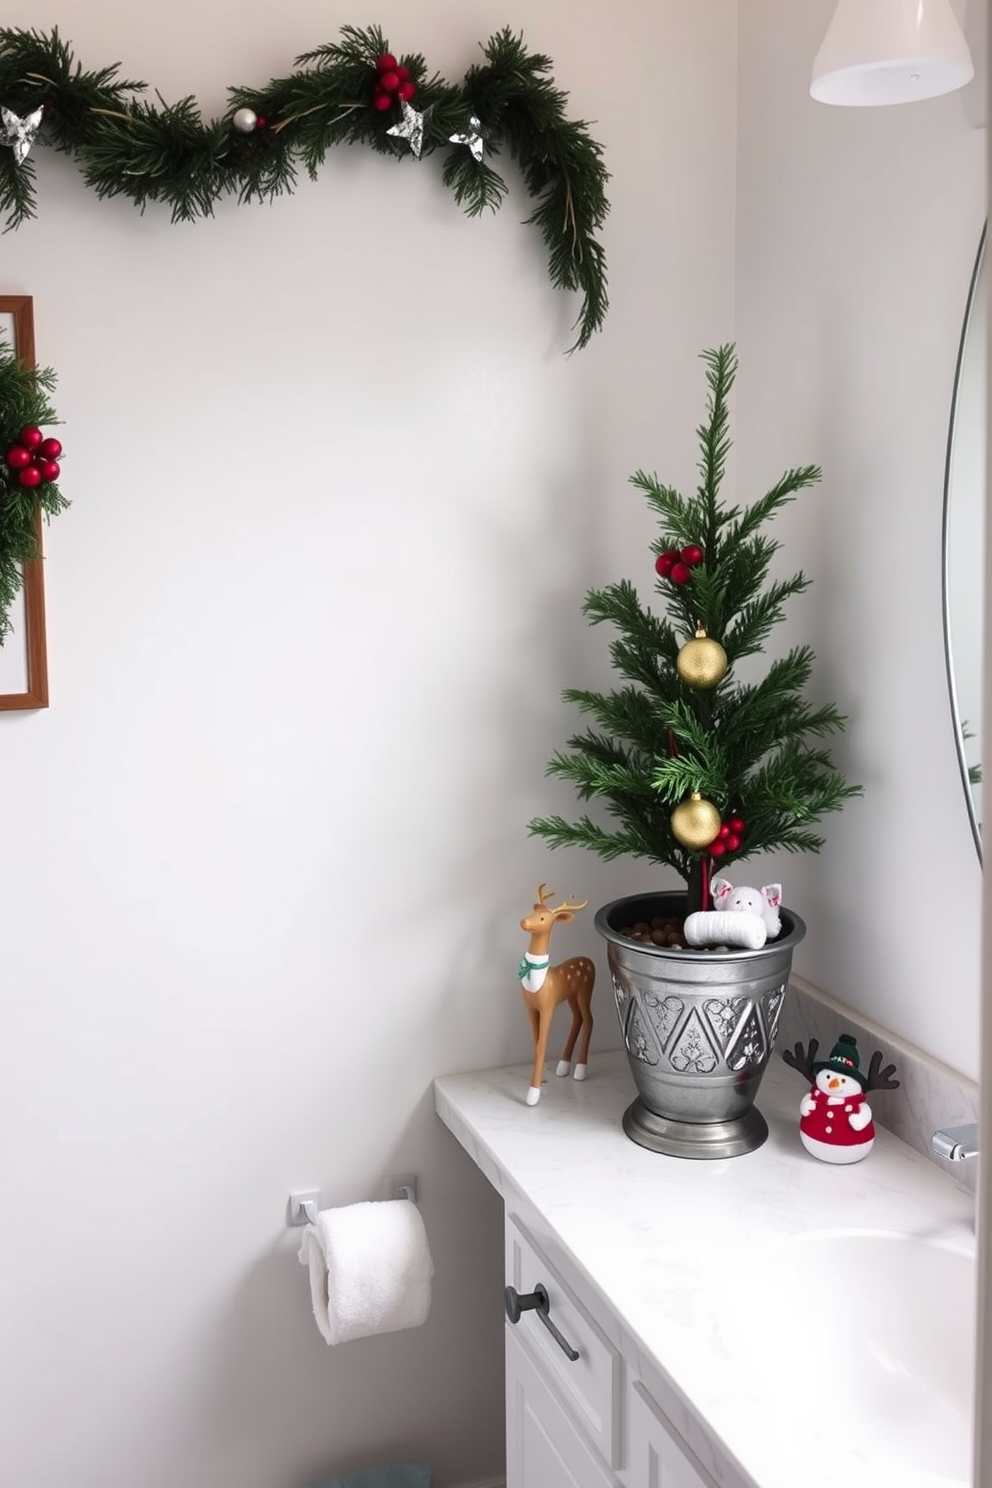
x,y
127,145
24,403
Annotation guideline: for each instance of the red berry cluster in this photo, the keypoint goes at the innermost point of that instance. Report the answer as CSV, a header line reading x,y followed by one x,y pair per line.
x,y
34,459
729,837
392,80
678,566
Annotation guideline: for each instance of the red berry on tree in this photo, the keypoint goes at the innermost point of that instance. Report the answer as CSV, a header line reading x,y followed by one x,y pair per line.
x,y
733,842
50,470
717,849
50,449
724,832
692,555
381,101
389,80
403,73
681,573
736,824
261,122
30,437
664,562
406,91
18,457
30,476
386,63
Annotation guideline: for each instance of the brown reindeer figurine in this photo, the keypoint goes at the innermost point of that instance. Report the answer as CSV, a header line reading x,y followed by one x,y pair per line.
x,y
544,987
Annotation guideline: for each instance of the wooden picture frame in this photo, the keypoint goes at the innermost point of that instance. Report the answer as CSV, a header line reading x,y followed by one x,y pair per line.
x,y
24,654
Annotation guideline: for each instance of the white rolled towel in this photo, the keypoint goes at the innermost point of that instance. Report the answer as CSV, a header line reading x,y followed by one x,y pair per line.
x,y
737,927
370,1269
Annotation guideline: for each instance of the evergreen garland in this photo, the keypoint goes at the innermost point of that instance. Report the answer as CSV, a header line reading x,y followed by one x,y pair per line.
x,y
752,750
158,152
24,403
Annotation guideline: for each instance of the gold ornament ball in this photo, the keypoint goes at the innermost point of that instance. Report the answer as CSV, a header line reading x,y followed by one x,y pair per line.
x,y
696,823
702,662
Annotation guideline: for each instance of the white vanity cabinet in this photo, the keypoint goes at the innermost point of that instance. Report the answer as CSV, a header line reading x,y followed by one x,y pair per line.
x,y
577,1413
669,1280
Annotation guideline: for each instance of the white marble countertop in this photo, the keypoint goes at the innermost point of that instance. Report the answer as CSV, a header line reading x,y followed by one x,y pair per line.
x,y
680,1251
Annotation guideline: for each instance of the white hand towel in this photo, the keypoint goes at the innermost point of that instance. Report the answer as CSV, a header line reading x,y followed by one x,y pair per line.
x,y
370,1269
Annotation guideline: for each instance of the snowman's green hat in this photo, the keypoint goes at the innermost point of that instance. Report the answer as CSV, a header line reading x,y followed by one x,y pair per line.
x,y
843,1060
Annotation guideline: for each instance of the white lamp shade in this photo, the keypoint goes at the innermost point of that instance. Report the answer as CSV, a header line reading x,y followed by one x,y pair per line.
x,y
890,51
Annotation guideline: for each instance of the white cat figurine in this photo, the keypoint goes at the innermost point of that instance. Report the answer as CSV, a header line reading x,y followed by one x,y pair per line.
x,y
740,917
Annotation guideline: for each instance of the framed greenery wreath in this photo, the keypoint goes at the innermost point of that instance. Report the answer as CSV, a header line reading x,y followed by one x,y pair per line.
x,y
29,492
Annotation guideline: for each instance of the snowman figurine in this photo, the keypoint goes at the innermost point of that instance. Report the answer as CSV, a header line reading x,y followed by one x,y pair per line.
x,y
835,1122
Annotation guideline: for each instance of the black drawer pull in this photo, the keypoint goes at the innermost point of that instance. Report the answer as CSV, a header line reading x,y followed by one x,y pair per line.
x,y
537,1301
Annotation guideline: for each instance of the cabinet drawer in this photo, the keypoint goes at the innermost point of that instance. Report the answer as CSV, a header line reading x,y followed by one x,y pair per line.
x,y
543,1447
590,1384
657,1458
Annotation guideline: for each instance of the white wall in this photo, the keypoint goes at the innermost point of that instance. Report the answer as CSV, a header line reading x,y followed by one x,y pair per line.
x,y
337,496
856,236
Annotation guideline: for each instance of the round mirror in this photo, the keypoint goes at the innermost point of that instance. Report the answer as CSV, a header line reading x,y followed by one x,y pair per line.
x,y
964,543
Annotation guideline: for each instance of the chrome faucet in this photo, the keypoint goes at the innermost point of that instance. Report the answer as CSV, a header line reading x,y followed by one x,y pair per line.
x,y
955,1143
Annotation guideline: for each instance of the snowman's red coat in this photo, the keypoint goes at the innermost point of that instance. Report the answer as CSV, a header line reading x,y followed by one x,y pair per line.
x,y
828,1122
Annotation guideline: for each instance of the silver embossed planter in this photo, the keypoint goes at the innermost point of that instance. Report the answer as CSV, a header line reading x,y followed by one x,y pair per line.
x,y
699,1027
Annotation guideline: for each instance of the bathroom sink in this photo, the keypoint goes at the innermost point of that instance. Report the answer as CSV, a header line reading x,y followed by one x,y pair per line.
x,y
870,1334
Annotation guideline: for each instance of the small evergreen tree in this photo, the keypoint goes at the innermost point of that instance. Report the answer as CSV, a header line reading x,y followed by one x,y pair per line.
x,y
752,751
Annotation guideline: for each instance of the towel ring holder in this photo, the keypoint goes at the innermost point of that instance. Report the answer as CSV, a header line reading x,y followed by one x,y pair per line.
x,y
304,1206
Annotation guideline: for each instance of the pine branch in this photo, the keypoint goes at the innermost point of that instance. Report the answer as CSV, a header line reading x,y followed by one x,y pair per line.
x,y
162,154
791,790
714,435
629,714
593,776
678,515
773,710
561,166
743,572
17,191
476,186
619,605
757,620
699,756
358,48
677,777
585,833
638,662
785,490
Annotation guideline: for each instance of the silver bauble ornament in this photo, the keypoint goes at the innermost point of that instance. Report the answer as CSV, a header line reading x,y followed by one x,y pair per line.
x,y
244,120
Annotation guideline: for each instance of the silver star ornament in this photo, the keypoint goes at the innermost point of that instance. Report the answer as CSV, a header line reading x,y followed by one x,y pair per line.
x,y
411,127
19,133
475,137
